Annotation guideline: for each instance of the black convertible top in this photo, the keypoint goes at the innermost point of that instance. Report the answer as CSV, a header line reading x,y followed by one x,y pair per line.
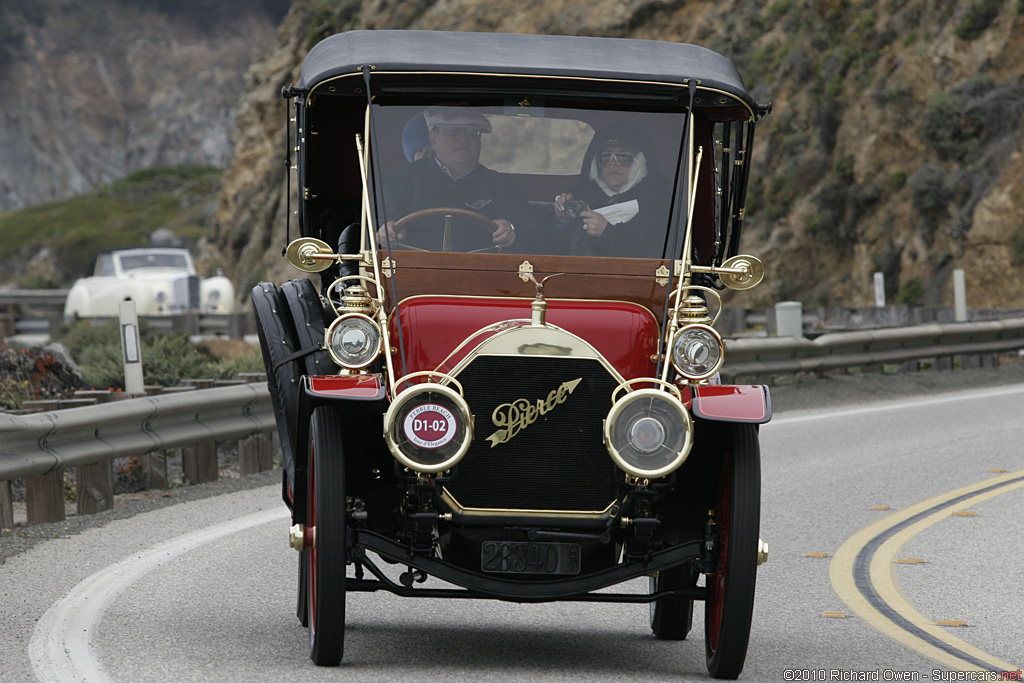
x,y
520,54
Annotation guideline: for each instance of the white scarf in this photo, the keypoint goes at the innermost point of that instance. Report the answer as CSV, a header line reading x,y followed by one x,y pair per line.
x,y
637,172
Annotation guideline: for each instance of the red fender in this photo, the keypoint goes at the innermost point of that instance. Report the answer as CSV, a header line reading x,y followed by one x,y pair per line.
x,y
361,387
733,403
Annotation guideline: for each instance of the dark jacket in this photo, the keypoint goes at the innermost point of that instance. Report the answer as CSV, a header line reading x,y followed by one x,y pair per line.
x,y
423,184
643,236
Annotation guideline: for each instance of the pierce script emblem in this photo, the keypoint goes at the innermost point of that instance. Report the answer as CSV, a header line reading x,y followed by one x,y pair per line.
x,y
512,418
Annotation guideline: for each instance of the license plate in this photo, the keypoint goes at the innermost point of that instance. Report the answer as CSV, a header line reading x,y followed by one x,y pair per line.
x,y
515,557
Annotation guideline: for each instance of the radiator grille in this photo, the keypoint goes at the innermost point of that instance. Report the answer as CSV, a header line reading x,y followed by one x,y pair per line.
x,y
558,462
185,293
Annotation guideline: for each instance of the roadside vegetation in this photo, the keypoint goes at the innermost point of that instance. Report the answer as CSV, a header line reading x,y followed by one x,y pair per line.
x,y
93,361
51,245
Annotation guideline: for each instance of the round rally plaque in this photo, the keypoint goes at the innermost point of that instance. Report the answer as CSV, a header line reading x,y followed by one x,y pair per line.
x,y
430,426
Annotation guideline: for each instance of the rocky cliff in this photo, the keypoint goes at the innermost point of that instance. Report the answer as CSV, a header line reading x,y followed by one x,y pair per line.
x,y
895,144
93,91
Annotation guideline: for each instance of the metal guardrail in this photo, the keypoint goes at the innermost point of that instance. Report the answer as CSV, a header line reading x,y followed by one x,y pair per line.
x,y
40,311
30,297
760,356
39,443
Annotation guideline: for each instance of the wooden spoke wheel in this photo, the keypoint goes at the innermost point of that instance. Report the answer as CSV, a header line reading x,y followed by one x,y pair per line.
x,y
729,606
327,557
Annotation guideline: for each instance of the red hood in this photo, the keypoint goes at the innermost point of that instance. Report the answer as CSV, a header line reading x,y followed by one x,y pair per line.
x,y
434,326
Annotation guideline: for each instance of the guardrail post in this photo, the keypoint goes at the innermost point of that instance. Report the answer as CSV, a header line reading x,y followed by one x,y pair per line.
x,y
199,462
44,497
154,467
94,484
6,506
7,320
255,452
44,494
95,488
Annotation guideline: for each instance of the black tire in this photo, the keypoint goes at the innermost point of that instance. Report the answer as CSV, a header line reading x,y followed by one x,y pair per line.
x,y
672,618
307,314
729,607
328,556
277,341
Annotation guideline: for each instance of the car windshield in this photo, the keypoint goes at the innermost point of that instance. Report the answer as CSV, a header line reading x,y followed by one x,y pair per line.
x,y
160,259
568,181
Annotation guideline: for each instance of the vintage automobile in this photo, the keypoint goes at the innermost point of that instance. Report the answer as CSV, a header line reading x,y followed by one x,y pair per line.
x,y
497,403
160,280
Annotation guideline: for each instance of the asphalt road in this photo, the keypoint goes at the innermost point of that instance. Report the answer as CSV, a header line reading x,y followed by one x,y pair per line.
x,y
205,590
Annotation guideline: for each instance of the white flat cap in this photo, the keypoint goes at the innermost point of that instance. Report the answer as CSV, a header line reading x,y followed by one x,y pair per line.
x,y
456,117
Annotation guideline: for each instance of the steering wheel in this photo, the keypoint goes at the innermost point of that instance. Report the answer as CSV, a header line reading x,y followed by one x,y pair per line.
x,y
474,218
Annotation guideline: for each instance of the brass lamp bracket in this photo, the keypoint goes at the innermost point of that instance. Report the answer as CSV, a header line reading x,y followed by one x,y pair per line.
x,y
739,272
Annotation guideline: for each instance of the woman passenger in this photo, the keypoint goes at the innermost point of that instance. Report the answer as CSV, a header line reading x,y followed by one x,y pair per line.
x,y
618,171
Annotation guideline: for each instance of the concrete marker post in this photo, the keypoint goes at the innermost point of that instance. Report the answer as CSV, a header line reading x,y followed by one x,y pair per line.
x,y
879,282
131,347
789,318
959,296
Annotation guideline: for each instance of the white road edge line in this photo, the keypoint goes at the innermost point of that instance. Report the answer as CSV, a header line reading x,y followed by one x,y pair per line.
x,y
60,649
895,404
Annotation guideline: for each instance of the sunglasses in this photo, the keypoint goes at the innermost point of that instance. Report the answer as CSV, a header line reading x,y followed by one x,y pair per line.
x,y
621,158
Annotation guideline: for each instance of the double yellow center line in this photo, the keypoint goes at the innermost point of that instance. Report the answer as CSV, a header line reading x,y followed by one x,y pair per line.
x,y
862,573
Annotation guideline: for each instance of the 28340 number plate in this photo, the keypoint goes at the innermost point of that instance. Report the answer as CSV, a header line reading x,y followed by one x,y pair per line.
x,y
525,557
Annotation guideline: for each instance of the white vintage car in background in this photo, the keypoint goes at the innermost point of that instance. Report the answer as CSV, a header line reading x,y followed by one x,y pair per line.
x,y
161,281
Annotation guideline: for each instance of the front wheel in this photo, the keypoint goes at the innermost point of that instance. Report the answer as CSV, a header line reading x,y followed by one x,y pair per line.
x,y
729,606
325,583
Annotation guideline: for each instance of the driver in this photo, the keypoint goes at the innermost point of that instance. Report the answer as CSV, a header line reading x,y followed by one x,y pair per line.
x,y
453,177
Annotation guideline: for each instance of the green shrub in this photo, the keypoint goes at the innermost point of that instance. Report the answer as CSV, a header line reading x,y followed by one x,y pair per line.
x,y
911,292
841,203
102,367
979,17
230,368
86,334
170,358
167,357
952,129
818,223
898,180
929,191
777,10
1017,247
781,194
